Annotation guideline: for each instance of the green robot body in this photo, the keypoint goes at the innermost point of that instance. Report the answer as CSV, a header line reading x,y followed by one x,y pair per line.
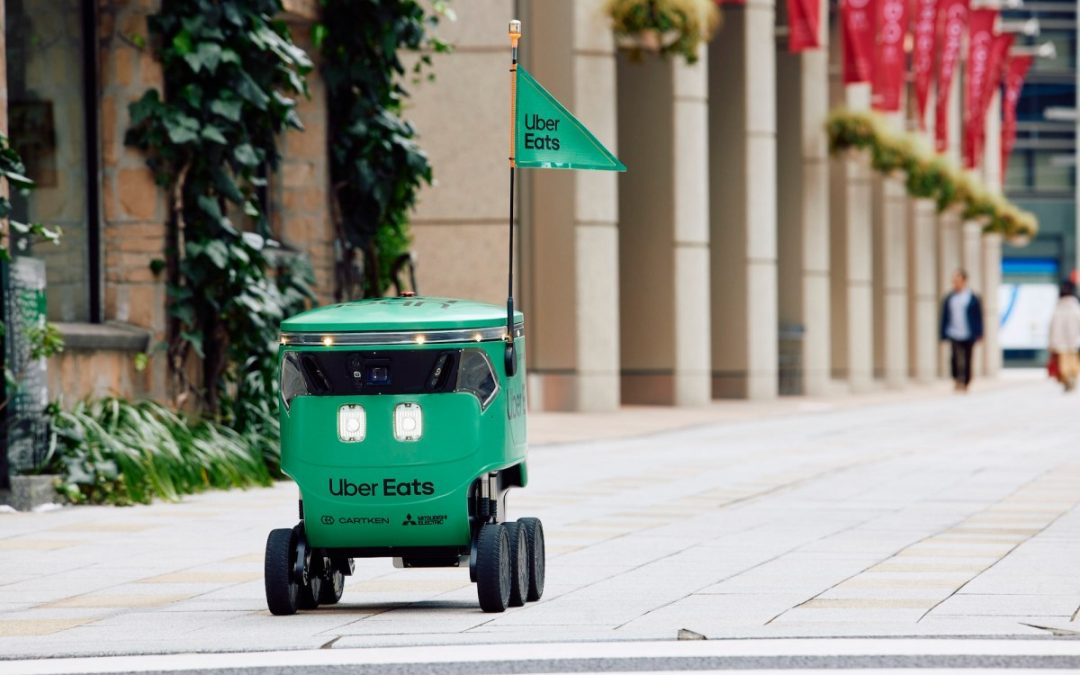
x,y
403,431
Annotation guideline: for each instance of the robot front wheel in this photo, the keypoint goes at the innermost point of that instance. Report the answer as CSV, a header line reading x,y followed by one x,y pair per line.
x,y
510,569
294,579
510,565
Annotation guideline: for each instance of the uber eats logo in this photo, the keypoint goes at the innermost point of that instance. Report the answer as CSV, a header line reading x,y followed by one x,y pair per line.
x,y
389,487
535,123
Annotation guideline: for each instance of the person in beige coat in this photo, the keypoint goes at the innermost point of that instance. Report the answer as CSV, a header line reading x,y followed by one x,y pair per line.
x,y
1065,336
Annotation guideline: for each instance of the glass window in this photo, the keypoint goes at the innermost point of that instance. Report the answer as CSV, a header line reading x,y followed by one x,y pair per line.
x,y
47,125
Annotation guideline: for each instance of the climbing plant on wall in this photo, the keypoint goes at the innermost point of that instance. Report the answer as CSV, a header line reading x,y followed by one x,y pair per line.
x,y
376,165
231,71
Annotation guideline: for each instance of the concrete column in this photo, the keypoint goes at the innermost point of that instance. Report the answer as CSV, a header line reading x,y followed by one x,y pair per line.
x,y
971,261
890,277
991,279
991,244
922,290
573,297
803,181
742,175
664,231
950,233
459,225
949,260
851,256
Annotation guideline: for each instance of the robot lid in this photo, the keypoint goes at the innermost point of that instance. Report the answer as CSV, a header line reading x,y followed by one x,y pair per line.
x,y
399,320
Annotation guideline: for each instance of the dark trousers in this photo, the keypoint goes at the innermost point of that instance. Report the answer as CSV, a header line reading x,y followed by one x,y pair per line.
x,y
961,360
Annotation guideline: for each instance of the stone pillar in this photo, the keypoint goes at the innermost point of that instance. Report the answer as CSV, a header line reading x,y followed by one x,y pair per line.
x,y
803,247
851,254
459,226
949,260
971,259
890,277
664,231
922,290
742,175
573,294
991,279
991,243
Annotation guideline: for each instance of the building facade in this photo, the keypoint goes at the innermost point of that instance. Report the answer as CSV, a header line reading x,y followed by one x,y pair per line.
x,y
735,258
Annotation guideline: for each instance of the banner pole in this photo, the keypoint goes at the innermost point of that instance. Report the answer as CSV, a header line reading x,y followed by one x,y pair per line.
x,y
511,355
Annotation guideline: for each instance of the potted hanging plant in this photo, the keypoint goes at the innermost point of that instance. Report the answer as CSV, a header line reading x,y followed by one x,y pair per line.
x,y
664,27
850,132
979,205
1023,227
889,155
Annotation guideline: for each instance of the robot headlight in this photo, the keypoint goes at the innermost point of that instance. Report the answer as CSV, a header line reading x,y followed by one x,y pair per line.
x,y
352,424
408,422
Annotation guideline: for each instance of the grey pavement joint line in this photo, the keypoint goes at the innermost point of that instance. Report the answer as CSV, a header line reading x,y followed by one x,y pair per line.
x,y
991,565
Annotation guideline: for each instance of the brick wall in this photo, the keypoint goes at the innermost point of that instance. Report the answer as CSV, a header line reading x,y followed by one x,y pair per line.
x,y
301,207
133,207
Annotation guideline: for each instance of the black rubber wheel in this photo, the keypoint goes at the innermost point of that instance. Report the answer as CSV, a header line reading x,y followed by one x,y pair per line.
x,y
493,567
282,592
332,588
309,594
534,535
519,564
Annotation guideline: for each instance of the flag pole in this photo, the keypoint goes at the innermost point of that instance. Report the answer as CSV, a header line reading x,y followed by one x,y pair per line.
x,y
511,355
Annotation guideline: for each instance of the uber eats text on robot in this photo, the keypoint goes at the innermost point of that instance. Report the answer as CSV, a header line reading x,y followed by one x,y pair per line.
x,y
403,419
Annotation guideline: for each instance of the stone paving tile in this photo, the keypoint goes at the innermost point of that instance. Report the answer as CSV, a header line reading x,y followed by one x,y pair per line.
x,y
117,600
19,628
844,522
973,605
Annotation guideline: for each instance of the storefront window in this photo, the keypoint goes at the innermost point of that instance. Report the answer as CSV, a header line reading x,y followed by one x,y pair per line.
x,y
47,125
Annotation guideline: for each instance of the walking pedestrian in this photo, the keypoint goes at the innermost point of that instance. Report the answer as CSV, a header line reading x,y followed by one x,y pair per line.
x,y
962,326
1065,336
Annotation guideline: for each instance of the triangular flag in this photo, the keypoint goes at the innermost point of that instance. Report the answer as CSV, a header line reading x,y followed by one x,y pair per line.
x,y
547,136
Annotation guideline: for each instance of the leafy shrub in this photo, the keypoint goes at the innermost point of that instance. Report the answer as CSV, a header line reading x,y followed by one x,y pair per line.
x,y
113,451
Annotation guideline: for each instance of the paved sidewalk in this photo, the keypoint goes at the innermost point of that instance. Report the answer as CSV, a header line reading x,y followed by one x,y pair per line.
x,y
918,515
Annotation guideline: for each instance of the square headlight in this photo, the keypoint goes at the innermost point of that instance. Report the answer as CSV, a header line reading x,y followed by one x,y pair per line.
x,y
408,422
352,424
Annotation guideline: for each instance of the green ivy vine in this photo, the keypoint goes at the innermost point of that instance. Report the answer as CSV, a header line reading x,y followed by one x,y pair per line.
x,y
376,166
231,73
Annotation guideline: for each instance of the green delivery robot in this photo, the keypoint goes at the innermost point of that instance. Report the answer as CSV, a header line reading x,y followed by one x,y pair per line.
x,y
403,419
404,430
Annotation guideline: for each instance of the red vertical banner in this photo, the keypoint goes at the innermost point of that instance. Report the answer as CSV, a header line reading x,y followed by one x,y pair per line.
x,y
889,57
998,50
952,22
922,59
1016,70
980,46
857,39
804,25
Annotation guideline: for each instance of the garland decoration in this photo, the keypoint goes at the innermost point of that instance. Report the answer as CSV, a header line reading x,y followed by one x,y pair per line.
x,y
926,174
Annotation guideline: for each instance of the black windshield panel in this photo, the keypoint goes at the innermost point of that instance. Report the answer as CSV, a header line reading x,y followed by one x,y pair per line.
x,y
375,372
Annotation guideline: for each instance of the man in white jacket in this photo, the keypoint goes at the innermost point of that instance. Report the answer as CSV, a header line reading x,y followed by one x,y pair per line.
x,y
1065,336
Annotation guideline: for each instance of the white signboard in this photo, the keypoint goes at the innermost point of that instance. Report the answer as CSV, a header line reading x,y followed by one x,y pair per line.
x,y
1025,315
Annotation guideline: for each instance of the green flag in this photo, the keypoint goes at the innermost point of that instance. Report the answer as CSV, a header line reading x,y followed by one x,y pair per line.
x,y
547,136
